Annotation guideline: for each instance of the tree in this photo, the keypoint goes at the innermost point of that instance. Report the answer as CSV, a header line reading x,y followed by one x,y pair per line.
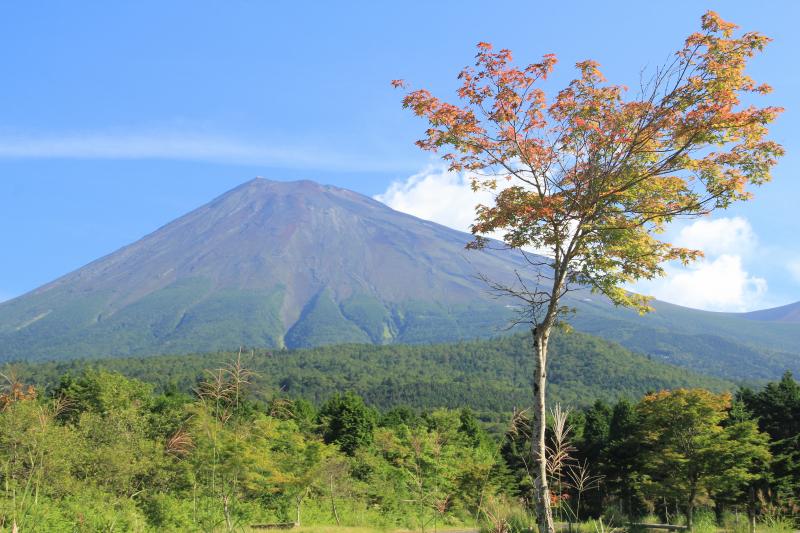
x,y
35,454
278,459
777,409
441,466
347,422
596,428
593,177
748,463
690,448
592,443
681,431
218,428
622,459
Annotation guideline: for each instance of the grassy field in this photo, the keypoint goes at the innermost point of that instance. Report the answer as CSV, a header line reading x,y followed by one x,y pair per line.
x,y
338,529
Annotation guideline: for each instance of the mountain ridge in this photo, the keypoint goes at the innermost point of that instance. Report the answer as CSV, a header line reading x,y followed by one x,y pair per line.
x,y
300,264
789,313
286,241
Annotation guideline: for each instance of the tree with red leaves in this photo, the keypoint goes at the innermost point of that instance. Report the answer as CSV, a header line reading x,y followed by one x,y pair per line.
x,y
595,175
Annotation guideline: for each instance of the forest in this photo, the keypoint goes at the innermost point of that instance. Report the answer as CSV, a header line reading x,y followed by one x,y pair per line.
x,y
99,451
489,376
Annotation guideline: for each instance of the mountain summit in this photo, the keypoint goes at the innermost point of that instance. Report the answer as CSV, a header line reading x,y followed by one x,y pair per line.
x,y
267,263
297,264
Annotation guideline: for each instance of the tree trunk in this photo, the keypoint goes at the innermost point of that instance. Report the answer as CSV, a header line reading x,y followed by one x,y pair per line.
x,y
333,504
719,512
544,514
297,520
751,509
226,512
690,509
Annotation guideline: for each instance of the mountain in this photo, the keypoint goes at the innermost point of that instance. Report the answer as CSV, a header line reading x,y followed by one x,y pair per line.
x,y
789,314
299,264
730,345
266,264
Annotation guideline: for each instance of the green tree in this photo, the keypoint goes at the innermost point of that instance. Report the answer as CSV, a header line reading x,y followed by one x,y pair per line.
x,y
748,465
592,440
437,466
777,409
596,430
595,177
36,456
402,414
100,391
515,451
471,428
622,459
219,425
279,461
347,422
690,450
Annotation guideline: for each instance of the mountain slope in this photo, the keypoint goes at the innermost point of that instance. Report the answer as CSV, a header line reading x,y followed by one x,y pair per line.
x,y
266,264
723,344
298,264
786,313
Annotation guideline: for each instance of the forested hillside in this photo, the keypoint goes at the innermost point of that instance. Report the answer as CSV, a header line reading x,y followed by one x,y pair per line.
x,y
491,376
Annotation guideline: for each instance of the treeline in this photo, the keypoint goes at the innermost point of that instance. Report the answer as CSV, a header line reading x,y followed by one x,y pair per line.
x,y
489,376
99,451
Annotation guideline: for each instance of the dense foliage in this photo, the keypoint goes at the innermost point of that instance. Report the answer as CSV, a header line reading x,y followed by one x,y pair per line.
x,y
488,376
672,452
104,452
100,451
777,409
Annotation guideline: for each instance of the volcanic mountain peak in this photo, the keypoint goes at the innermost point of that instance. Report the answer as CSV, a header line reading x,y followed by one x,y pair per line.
x,y
259,189
272,264
265,258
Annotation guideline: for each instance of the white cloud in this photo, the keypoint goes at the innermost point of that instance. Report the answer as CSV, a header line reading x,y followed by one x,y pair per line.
x,y
718,284
437,195
719,281
186,145
444,197
719,236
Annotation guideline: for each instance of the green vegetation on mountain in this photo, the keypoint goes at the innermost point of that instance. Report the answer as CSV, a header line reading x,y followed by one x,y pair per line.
x,y
272,265
323,322
490,376
721,344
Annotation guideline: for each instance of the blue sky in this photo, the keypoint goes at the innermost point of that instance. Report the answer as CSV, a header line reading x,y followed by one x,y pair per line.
x,y
119,116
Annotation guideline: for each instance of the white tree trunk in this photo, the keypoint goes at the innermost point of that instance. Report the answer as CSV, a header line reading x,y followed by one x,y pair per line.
x,y
544,514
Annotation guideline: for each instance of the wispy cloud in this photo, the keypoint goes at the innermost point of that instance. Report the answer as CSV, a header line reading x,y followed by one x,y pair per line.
x,y
190,146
